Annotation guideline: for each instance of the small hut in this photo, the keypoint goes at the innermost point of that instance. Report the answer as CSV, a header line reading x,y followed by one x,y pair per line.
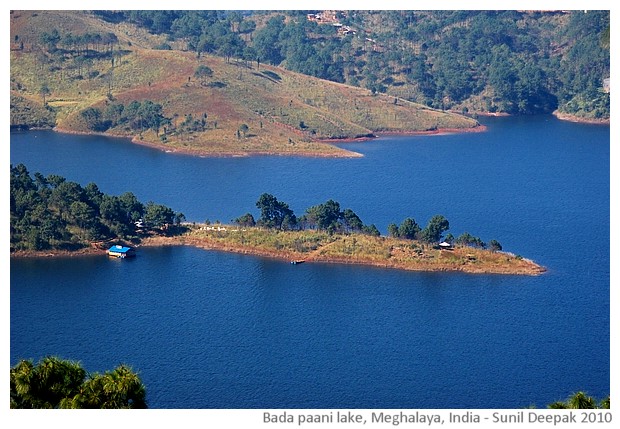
x,y
119,251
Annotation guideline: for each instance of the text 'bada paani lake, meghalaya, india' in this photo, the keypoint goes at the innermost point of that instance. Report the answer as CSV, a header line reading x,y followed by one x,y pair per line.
x,y
328,254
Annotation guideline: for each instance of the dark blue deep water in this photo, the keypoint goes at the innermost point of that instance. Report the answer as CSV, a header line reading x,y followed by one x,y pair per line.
x,y
207,329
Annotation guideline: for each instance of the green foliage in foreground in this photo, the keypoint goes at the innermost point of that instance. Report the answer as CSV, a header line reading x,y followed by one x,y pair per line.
x,y
580,400
58,383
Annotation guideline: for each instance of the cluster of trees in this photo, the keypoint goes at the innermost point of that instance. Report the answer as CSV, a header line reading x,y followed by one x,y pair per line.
x,y
304,46
137,116
433,233
409,229
51,212
325,217
79,44
510,61
76,55
191,124
59,383
215,32
329,217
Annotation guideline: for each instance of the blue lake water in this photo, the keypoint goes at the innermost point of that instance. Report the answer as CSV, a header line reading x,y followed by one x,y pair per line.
x,y
213,330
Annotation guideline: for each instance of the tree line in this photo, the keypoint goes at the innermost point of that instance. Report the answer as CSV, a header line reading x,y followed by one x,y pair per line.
x,y
329,217
433,233
54,213
140,116
78,44
135,116
496,61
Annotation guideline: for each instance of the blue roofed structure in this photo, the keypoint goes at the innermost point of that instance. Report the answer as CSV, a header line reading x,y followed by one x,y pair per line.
x,y
119,251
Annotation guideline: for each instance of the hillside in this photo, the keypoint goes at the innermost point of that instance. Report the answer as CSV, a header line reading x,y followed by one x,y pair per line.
x,y
475,61
88,74
515,62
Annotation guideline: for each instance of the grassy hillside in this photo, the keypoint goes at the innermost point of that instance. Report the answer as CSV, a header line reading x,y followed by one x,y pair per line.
x,y
244,107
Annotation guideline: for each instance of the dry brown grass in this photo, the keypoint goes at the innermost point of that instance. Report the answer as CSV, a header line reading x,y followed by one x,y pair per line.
x,y
353,249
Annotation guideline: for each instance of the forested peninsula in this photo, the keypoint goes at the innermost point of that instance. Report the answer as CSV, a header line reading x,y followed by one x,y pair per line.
x,y
231,83
52,216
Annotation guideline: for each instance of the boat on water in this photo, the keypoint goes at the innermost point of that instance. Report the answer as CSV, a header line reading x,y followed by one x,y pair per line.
x,y
297,261
118,251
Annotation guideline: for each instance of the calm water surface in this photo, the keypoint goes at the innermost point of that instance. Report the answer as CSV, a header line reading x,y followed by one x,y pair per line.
x,y
213,330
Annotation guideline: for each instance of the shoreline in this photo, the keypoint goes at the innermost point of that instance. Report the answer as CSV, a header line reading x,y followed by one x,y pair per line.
x,y
53,253
489,262
439,131
242,154
529,267
208,154
577,119
489,114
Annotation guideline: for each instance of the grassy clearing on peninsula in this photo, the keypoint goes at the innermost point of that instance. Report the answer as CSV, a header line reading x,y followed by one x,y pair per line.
x,y
356,248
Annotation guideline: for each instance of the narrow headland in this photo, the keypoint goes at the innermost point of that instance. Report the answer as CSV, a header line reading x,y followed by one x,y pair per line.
x,y
351,248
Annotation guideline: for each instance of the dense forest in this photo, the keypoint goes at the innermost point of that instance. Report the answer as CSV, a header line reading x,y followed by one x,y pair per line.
x,y
54,213
518,62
